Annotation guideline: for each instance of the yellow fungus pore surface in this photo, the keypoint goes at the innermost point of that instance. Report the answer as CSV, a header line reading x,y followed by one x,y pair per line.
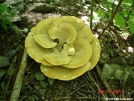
x,y
65,47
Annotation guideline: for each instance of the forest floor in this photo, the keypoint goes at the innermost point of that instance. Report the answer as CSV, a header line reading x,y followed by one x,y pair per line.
x,y
116,51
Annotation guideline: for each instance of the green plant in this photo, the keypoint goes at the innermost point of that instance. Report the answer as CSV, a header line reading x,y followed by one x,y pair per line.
x,y
115,71
83,4
5,14
25,30
124,18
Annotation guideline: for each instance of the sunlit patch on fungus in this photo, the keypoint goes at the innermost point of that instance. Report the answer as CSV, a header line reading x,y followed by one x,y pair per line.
x,y
65,47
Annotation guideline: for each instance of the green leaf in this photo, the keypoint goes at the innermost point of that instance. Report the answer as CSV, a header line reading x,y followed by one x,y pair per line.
x,y
127,3
5,24
121,75
119,21
131,19
109,14
131,27
5,14
79,5
107,71
51,81
131,24
100,13
25,30
125,13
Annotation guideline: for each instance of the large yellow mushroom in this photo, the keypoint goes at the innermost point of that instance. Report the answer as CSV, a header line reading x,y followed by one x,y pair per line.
x,y
65,47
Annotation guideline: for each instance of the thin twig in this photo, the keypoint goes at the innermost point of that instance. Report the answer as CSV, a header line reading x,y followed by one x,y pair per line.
x,y
68,96
87,98
96,84
104,81
75,90
111,19
19,78
91,16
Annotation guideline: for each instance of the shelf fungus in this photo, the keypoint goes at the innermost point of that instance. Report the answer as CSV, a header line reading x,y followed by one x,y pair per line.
x,y
65,47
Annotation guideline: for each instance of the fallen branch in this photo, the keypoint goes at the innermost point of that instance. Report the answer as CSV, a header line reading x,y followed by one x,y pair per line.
x,y
19,78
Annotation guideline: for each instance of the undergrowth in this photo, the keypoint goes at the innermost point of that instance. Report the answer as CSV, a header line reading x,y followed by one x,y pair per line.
x,y
6,12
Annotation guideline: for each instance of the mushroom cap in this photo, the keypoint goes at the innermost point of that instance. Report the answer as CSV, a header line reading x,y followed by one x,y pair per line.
x,y
57,58
96,52
41,33
85,33
77,23
64,33
44,40
43,26
63,73
32,29
60,57
35,51
69,49
83,52
65,47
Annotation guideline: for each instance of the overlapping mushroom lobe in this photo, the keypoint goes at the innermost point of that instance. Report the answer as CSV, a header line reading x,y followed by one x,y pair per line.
x,y
64,33
65,47
83,52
